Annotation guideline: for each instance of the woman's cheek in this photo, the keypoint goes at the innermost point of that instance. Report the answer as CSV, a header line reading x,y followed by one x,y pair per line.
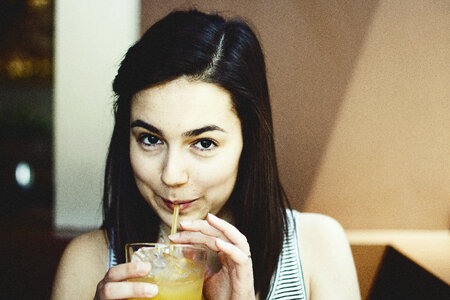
x,y
145,173
211,174
217,180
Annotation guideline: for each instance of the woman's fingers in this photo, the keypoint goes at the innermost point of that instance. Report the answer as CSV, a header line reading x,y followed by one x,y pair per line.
x,y
113,285
123,290
208,231
216,227
185,237
231,233
200,226
236,254
233,252
197,232
243,271
127,271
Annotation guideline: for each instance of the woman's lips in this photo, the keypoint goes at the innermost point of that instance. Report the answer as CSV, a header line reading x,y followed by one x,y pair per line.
x,y
184,204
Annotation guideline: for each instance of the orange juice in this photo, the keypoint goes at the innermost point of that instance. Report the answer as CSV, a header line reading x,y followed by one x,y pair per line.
x,y
189,288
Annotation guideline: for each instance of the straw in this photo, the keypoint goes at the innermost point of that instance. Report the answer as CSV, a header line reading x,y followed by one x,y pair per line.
x,y
176,211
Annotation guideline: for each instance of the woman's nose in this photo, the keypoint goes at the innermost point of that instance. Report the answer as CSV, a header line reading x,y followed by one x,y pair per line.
x,y
174,172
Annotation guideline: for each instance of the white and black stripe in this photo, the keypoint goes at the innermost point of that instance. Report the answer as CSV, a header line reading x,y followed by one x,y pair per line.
x,y
112,260
288,282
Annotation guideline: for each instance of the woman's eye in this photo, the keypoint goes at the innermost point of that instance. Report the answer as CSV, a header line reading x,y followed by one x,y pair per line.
x,y
205,144
149,140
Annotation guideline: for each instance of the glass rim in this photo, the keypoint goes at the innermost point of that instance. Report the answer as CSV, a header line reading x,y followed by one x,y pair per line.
x,y
163,245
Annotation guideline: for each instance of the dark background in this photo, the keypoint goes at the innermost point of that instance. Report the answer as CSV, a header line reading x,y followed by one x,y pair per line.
x,y
26,57
28,248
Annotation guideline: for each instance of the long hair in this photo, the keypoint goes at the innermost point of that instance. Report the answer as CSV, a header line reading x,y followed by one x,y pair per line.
x,y
208,48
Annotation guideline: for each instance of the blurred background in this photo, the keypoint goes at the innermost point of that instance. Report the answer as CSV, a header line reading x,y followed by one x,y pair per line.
x,y
361,107
26,86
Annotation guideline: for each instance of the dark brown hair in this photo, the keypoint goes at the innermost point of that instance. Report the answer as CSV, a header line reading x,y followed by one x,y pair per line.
x,y
204,47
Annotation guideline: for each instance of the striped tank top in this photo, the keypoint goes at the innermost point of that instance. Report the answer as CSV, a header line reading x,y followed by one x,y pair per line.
x,y
288,282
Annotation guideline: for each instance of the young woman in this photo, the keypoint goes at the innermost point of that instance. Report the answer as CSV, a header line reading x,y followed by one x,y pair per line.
x,y
193,127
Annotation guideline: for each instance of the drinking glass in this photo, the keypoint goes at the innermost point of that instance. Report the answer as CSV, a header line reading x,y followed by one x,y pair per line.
x,y
177,269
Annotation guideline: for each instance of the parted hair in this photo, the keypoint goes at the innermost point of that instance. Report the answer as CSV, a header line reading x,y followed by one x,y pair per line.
x,y
208,48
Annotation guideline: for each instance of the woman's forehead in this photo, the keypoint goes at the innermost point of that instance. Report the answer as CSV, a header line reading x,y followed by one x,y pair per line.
x,y
185,102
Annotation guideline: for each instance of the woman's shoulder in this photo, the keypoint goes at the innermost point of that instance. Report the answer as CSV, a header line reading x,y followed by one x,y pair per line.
x,y
84,262
317,233
91,238
91,246
327,257
314,223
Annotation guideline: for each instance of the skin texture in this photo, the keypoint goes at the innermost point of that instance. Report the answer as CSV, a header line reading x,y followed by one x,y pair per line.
x,y
185,145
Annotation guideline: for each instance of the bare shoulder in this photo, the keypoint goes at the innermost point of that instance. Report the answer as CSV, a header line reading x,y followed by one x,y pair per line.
x,y
93,242
319,229
83,263
327,258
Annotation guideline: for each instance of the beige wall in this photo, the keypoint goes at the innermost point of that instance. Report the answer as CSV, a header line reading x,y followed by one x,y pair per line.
x,y
387,161
90,40
360,103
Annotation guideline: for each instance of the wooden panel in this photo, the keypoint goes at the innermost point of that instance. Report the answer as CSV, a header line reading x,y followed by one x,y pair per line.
x,y
367,261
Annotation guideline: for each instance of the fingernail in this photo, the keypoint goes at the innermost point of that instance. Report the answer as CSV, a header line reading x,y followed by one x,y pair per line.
x,y
210,215
220,243
185,223
150,290
173,237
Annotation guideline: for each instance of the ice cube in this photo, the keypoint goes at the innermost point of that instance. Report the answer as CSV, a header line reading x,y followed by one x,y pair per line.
x,y
167,263
154,255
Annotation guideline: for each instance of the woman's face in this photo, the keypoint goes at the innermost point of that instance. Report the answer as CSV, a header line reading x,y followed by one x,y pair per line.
x,y
185,145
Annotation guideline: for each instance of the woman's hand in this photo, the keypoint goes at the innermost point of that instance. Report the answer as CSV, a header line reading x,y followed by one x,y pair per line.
x,y
113,286
235,279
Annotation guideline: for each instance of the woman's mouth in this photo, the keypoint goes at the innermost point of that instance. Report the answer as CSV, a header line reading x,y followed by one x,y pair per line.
x,y
184,204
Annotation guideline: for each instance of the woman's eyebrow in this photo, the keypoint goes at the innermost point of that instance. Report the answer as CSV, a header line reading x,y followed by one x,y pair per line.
x,y
196,132
190,133
140,123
